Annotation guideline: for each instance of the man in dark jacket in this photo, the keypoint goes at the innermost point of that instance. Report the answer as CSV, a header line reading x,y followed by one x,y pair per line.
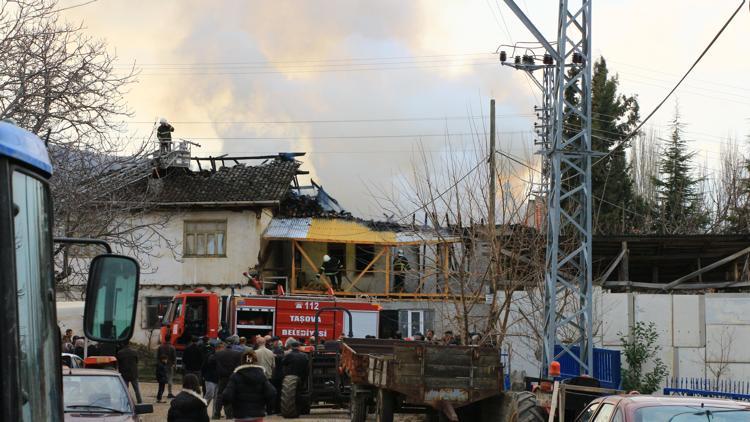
x,y
170,353
296,363
192,358
226,362
164,134
248,389
127,363
188,406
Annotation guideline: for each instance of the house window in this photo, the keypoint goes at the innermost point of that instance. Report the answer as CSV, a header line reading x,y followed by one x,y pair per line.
x,y
205,238
363,255
155,307
338,251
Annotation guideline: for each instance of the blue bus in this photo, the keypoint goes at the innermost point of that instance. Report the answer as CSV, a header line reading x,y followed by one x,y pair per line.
x,y
30,364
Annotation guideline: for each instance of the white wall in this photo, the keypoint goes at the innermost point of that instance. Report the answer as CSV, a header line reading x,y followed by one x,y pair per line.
x,y
700,335
244,231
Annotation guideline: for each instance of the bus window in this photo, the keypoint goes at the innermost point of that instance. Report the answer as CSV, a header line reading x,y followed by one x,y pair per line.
x,y
39,339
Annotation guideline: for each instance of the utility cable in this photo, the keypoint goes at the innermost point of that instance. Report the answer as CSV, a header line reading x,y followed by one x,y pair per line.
x,y
658,106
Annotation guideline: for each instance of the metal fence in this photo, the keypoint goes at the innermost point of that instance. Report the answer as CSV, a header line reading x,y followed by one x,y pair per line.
x,y
606,366
704,387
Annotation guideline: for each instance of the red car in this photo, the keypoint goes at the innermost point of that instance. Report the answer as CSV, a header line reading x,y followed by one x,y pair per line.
x,y
636,408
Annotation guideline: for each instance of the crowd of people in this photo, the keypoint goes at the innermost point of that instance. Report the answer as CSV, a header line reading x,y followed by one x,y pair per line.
x,y
236,377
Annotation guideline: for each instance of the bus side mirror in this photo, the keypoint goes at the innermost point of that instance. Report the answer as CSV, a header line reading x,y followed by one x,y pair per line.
x,y
111,299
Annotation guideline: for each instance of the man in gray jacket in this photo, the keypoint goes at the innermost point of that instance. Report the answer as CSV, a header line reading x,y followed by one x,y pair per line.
x,y
266,358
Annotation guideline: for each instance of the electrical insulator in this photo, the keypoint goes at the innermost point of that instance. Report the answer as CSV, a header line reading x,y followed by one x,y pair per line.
x,y
503,57
528,59
518,60
577,58
547,59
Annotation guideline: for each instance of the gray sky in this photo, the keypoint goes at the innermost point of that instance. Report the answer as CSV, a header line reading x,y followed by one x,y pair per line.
x,y
217,68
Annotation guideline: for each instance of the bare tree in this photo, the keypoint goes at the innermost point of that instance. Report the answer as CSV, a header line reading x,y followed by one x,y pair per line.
x,y
62,84
478,276
718,364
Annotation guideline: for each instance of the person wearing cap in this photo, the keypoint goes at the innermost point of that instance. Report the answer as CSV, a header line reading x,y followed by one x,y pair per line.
x,y
164,135
400,267
332,269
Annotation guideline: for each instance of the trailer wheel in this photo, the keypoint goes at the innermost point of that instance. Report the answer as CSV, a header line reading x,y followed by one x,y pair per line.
x,y
386,405
527,408
358,407
289,407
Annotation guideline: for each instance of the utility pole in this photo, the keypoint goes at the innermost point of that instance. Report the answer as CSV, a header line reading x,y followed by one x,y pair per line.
x,y
492,203
493,175
567,155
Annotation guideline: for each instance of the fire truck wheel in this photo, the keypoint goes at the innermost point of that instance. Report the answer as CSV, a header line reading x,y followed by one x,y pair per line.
x,y
386,405
358,407
289,407
527,409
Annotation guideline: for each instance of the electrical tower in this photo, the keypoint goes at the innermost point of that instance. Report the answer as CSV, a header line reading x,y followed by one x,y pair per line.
x,y
565,140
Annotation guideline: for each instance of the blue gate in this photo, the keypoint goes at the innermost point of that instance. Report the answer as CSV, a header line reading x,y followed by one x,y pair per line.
x,y
606,366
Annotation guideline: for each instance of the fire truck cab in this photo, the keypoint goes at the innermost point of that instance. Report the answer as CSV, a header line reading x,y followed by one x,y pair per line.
x,y
200,313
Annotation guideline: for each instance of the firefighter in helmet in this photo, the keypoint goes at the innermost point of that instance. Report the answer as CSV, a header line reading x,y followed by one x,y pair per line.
x,y
400,267
164,134
332,269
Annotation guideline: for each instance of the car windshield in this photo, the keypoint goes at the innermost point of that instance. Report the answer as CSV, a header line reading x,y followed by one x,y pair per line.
x,y
95,393
691,414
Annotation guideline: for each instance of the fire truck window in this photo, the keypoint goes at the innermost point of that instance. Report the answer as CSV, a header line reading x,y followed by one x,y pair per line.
x,y
254,321
195,318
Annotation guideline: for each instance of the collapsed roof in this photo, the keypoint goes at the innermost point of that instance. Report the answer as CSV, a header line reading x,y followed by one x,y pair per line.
x,y
238,185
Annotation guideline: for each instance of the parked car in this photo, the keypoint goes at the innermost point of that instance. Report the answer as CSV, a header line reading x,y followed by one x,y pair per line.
x,y
98,394
645,408
72,360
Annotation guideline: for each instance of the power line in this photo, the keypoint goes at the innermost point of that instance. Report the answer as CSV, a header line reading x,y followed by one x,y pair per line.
x,y
362,120
283,71
518,161
345,137
313,60
658,106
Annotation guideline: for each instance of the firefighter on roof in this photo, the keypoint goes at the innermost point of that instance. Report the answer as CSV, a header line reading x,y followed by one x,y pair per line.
x,y
332,269
164,134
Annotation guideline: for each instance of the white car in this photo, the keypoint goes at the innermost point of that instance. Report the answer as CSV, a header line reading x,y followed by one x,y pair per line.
x,y
72,360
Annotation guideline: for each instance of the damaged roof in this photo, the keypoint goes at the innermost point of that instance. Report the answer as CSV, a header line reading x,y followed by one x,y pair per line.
x,y
236,185
340,230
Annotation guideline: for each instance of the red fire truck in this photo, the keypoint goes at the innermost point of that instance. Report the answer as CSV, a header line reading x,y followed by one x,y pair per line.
x,y
201,313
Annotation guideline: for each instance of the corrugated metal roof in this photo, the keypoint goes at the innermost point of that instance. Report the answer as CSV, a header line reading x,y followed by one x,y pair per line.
x,y
342,231
288,228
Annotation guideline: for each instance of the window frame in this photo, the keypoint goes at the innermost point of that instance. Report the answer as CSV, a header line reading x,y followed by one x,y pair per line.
x,y
337,250
368,252
194,253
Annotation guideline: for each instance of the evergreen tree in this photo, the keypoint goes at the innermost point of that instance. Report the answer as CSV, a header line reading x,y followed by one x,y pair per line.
x,y
738,217
615,207
614,117
679,204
